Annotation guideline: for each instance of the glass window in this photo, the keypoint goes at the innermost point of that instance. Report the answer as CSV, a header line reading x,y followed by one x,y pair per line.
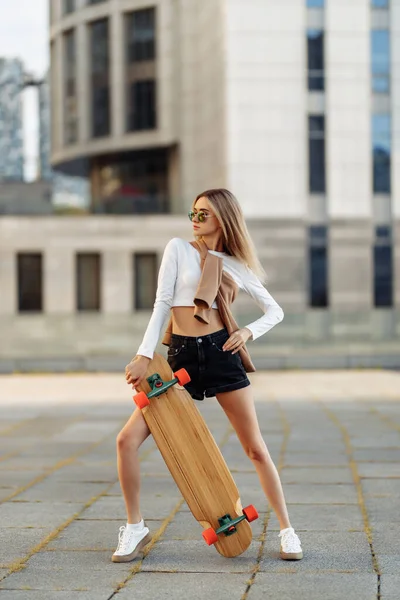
x,y
315,3
70,97
145,280
141,35
141,70
318,265
380,3
316,153
315,52
100,78
88,281
380,60
381,152
30,294
383,267
132,183
68,6
142,104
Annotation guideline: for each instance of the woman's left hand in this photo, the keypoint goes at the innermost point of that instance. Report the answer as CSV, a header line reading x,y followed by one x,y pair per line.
x,y
237,340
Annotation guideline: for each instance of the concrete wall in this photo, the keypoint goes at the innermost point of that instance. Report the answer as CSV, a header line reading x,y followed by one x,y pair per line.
x,y
117,328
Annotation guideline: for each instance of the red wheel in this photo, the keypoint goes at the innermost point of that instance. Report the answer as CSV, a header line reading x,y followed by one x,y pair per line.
x,y
250,513
183,376
210,536
141,400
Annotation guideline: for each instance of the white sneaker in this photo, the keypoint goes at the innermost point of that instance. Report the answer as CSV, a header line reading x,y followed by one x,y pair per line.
x,y
130,543
290,545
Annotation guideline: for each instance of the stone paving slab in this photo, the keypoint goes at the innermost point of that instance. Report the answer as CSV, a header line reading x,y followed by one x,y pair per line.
x,y
26,594
326,550
58,459
185,586
316,475
36,514
314,586
191,555
61,491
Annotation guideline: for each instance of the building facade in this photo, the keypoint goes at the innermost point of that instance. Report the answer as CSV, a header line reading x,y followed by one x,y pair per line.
x,y
11,134
293,105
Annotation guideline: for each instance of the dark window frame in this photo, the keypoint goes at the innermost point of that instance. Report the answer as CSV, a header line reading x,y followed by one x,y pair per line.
x,y
88,301
100,78
139,285
318,293
381,153
383,265
144,47
68,7
29,291
143,114
316,154
70,87
316,59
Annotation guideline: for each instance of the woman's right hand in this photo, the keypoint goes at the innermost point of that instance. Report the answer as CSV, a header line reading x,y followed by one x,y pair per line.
x,y
136,370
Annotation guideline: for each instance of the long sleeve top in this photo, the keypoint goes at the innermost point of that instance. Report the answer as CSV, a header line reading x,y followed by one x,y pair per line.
x,y
178,279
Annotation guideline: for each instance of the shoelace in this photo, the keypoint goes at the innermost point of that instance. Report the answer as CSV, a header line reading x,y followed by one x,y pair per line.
x,y
124,538
291,541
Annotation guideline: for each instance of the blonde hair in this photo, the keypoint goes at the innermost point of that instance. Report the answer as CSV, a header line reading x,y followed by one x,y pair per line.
x,y
236,239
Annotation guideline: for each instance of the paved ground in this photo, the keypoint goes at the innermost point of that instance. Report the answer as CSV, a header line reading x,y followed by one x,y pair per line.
x,y
334,437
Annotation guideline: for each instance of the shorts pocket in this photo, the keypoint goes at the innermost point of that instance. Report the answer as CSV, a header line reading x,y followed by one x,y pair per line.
x,y
175,350
218,345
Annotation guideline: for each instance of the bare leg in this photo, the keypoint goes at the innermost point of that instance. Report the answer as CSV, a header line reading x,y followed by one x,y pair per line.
x,y
129,439
240,410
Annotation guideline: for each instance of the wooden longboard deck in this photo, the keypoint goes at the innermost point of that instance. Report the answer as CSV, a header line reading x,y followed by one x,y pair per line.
x,y
194,459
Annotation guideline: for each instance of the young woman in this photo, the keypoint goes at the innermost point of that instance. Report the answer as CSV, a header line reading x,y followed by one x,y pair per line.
x,y
210,355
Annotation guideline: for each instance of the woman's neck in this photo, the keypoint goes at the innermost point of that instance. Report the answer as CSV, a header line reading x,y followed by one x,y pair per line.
x,y
213,243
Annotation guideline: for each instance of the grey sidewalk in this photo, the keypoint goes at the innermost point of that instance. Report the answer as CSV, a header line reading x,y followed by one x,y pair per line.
x,y
334,438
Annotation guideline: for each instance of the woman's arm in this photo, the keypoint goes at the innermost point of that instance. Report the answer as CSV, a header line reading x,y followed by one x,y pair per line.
x,y
164,296
273,313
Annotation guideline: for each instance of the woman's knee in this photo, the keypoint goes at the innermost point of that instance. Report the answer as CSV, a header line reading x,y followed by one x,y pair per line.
x,y
258,452
127,441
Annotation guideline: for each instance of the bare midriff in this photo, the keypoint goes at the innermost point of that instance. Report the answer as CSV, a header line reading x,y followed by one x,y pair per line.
x,y
184,323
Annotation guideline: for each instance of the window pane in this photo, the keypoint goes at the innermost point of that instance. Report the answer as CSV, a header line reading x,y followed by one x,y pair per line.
x,y
68,6
141,70
143,106
100,78
316,154
315,3
133,183
70,99
141,35
380,60
145,277
383,267
381,152
380,3
315,51
318,265
88,281
29,282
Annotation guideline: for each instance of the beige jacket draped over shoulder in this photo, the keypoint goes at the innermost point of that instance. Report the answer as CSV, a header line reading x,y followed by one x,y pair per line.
x,y
215,283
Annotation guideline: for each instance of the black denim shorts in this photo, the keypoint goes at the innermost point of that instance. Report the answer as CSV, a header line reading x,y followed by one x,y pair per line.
x,y
211,369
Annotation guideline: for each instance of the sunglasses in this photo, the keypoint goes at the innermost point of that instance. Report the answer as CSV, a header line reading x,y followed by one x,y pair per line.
x,y
201,215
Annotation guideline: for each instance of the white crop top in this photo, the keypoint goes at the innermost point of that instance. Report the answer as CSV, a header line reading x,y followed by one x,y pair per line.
x,y
178,278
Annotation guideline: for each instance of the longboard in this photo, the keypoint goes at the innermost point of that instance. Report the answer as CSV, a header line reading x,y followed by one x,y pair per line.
x,y
194,458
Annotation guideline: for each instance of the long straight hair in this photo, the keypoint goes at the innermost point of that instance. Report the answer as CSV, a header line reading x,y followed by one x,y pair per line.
x,y
236,239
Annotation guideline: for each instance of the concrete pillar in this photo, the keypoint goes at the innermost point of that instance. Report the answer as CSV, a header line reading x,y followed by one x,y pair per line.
x,y
59,281
116,282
